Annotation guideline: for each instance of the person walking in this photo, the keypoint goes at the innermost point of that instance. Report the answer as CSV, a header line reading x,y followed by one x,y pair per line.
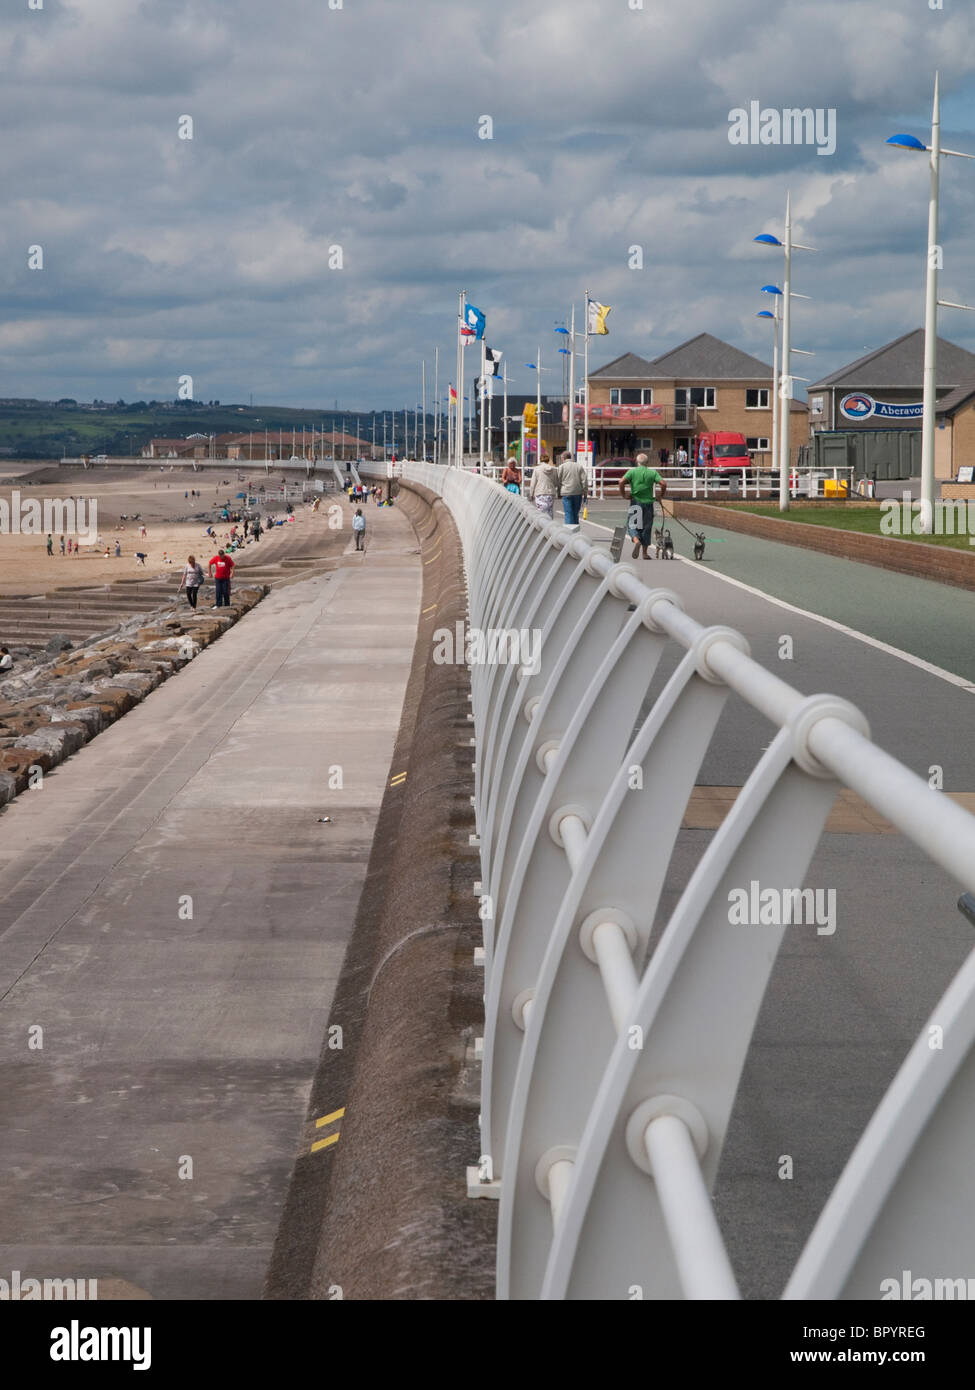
x,y
191,579
544,486
359,528
511,476
50,545
62,545
222,567
118,549
645,485
256,528
574,487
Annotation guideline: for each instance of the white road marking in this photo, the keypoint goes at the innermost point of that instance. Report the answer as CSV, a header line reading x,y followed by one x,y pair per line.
x,y
960,681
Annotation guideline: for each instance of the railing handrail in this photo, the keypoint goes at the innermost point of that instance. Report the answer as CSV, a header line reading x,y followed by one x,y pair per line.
x,y
576,1123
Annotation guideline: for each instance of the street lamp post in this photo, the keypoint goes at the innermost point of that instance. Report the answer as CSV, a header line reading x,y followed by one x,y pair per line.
x,y
931,303
767,314
785,391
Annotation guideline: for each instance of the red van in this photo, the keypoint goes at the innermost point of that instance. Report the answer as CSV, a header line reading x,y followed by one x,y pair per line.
x,y
721,450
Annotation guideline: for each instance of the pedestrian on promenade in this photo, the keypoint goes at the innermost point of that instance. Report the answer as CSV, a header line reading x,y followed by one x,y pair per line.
x,y
256,529
222,567
191,579
359,528
544,486
50,545
645,485
574,487
680,458
511,477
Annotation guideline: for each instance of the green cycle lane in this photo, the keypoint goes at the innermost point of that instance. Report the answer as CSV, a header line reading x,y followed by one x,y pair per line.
x,y
933,622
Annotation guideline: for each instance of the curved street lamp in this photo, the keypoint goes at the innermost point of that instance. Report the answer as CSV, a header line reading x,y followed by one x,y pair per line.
x,y
931,302
785,392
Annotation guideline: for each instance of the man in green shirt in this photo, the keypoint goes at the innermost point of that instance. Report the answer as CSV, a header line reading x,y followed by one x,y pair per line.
x,y
642,481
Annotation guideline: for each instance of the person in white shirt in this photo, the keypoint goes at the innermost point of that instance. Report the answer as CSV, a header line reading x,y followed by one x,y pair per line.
x,y
6,660
191,579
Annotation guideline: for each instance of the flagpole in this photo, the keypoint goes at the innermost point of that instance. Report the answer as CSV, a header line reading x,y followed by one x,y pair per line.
x,y
459,445
480,411
423,404
538,407
585,427
436,404
490,427
504,380
572,383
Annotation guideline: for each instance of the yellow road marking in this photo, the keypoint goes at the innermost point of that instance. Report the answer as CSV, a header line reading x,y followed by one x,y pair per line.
x,y
327,1119
398,780
432,558
324,1143
431,609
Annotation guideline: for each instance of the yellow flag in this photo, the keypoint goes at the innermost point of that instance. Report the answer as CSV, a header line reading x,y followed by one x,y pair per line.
x,y
597,316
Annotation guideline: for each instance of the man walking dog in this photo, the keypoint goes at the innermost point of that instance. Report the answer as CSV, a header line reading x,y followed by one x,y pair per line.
x,y
643,483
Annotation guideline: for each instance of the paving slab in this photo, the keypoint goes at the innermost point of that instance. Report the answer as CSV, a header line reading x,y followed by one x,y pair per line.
x,y
174,918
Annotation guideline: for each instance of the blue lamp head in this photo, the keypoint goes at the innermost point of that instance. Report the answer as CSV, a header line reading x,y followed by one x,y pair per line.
x,y
563,330
764,314
767,239
771,289
531,366
906,142
565,352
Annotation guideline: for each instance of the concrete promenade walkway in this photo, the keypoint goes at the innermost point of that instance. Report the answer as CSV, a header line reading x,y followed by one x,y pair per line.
x,y
174,916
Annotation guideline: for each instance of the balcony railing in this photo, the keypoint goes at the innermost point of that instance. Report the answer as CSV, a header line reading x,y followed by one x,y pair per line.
x,y
628,417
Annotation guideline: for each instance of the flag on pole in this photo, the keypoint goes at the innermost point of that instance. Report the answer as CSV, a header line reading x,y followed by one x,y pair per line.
x,y
453,396
471,325
492,360
597,317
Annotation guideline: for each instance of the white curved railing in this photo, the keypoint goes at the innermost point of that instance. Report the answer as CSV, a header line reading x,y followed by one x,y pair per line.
x,y
605,1101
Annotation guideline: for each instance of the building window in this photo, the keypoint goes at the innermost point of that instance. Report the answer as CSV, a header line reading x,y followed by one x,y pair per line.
x,y
631,395
700,396
757,444
757,398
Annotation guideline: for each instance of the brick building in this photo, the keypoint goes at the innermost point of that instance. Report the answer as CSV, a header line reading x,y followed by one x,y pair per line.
x,y
700,386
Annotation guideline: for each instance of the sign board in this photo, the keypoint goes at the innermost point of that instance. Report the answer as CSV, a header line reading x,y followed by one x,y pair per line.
x,y
638,413
966,474
857,405
616,544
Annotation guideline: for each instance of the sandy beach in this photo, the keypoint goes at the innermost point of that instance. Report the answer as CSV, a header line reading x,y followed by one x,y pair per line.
x,y
174,528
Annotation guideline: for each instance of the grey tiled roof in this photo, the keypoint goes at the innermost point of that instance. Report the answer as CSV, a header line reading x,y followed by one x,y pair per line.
x,y
901,363
629,365
709,359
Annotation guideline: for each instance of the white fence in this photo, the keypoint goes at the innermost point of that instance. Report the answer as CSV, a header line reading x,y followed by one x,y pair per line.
x,y
714,482
608,1084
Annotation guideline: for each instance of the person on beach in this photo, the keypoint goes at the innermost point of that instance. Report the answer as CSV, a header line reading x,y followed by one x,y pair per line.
x,y
62,545
50,545
140,557
6,660
191,579
222,567
359,528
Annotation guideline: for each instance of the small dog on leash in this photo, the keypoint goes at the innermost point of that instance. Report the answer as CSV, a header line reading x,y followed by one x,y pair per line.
x,y
664,544
699,539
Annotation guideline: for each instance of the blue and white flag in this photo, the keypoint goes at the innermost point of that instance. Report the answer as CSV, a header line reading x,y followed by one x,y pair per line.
x,y
472,327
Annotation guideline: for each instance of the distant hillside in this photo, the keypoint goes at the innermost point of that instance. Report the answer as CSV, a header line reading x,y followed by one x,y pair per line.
x,y
48,429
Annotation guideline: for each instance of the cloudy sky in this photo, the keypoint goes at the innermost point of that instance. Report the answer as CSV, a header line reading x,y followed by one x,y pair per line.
x,y
315,127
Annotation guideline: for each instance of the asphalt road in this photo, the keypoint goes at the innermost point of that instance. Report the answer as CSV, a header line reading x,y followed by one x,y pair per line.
x,y
841,1010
